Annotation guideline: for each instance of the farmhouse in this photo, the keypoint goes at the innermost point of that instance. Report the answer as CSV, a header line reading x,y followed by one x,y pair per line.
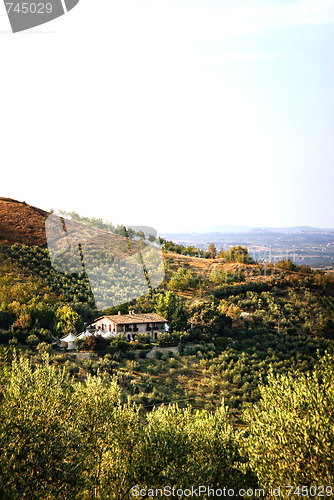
x,y
131,324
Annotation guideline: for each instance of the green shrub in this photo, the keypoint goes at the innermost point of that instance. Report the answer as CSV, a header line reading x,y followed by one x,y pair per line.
x,y
32,340
132,365
142,354
43,347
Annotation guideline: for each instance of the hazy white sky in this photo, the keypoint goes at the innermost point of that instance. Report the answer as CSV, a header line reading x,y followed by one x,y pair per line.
x,y
173,113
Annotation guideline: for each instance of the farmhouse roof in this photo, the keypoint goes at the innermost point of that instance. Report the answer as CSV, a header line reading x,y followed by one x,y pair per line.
x,y
123,319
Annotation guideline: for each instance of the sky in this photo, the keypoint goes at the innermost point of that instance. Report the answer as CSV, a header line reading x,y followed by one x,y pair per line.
x,y
180,115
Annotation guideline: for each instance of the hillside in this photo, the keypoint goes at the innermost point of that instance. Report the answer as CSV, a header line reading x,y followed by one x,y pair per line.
x,y
231,324
258,315
194,280
21,223
204,267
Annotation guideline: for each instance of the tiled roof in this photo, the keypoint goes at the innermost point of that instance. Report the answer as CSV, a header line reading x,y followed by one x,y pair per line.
x,y
126,319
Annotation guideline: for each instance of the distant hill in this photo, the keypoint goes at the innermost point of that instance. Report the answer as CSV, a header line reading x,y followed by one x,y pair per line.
x,y
21,223
243,230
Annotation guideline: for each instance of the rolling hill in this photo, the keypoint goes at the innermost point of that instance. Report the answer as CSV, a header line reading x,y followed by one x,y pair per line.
x,y
21,223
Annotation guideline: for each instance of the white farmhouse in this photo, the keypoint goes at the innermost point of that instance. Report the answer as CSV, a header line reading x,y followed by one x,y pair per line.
x,y
131,324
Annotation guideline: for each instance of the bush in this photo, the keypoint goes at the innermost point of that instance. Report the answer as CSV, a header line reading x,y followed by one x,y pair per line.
x,y
143,338
167,339
95,343
132,365
221,343
32,340
43,347
118,346
181,349
129,354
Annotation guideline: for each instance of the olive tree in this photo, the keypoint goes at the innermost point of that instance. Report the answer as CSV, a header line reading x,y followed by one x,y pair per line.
x,y
291,432
38,446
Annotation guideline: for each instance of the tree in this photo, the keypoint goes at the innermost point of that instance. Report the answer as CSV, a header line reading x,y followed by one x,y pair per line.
x,y
171,308
191,447
166,305
212,250
230,310
182,279
180,318
221,276
42,313
286,265
291,433
61,440
111,435
95,343
238,254
23,321
5,316
208,319
38,454
69,320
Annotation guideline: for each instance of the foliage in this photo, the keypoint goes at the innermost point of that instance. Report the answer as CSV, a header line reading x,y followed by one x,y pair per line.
x,y
32,339
222,291
192,448
166,305
68,320
170,246
118,345
296,309
37,456
227,277
212,250
42,278
61,440
118,444
237,254
286,265
89,221
230,310
208,319
171,339
182,279
291,433
5,316
95,343
43,348
169,306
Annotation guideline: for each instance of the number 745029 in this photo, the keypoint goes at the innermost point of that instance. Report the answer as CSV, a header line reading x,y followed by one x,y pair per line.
x,y
310,491
29,8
